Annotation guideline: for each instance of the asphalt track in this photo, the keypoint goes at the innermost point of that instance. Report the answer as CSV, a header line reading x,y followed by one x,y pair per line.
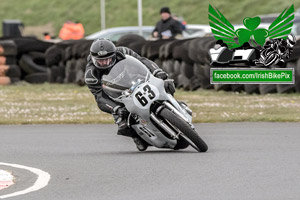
x,y
244,161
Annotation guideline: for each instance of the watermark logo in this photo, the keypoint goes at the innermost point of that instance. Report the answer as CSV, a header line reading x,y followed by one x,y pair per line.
x,y
250,45
251,75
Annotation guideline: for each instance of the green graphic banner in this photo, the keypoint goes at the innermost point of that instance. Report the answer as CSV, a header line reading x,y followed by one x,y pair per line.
x,y
252,76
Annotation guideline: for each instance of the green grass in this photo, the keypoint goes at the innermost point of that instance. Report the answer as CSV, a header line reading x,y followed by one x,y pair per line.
x,y
124,12
54,103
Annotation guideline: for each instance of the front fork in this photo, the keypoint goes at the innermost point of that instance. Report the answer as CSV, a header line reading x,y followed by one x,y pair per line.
x,y
160,122
163,125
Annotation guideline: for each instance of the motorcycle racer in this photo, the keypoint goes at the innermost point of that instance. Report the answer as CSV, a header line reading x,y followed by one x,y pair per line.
x,y
103,56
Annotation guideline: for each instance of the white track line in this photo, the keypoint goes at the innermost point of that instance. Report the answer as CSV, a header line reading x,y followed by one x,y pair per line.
x,y
42,180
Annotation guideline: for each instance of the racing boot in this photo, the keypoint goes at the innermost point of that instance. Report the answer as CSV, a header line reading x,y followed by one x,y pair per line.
x,y
141,145
124,130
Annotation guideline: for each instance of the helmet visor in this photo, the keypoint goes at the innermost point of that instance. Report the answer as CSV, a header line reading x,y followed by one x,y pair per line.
x,y
104,62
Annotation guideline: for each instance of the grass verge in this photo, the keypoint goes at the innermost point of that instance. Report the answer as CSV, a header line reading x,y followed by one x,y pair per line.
x,y
60,104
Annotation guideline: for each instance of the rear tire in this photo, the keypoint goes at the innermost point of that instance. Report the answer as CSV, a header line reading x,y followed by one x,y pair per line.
x,y
185,128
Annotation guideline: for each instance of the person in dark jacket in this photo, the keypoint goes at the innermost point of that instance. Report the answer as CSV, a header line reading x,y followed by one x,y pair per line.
x,y
103,56
167,27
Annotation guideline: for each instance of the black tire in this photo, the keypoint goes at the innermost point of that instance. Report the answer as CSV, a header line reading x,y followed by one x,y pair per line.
x,y
158,62
61,74
164,65
68,54
237,87
80,78
29,64
187,69
14,71
145,47
54,55
14,80
251,88
225,87
80,70
186,73
193,52
285,88
25,45
153,49
288,88
267,88
54,74
70,71
79,47
169,48
38,55
202,55
161,51
180,51
176,72
169,66
206,78
41,77
185,128
200,76
80,64
137,46
8,60
128,39
296,52
195,83
8,48
183,82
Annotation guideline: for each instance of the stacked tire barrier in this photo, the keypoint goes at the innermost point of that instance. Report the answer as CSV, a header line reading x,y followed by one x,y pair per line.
x,y
9,71
36,61
25,59
67,61
186,61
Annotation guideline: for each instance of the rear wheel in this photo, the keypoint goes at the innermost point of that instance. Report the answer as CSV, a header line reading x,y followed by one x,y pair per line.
x,y
186,131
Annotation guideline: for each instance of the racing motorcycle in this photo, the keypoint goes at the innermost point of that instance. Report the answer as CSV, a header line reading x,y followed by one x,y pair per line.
x,y
155,115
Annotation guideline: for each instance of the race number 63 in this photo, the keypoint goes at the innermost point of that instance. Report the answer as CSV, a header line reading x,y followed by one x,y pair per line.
x,y
146,95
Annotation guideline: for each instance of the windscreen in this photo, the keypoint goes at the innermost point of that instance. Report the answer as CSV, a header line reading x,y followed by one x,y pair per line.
x,y
125,74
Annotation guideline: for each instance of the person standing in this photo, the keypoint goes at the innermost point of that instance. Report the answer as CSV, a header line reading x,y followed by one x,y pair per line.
x,y
167,27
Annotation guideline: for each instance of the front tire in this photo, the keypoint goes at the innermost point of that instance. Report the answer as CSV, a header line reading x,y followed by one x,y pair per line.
x,y
184,128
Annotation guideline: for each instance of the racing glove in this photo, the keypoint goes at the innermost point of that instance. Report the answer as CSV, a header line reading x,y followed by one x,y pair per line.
x,y
169,86
159,73
121,112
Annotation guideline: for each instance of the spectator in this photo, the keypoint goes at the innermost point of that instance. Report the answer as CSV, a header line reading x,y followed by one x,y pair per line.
x,y
47,36
71,31
167,27
181,20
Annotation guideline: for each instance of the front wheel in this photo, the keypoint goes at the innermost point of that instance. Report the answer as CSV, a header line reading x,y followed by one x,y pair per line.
x,y
185,130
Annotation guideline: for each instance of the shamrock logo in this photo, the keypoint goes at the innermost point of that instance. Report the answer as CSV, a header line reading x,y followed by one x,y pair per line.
x,y
260,35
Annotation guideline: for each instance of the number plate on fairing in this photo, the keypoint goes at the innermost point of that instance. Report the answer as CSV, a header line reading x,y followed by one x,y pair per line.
x,y
145,95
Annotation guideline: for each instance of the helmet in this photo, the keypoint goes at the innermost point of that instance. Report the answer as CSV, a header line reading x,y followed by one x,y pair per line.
x,y
291,40
103,53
